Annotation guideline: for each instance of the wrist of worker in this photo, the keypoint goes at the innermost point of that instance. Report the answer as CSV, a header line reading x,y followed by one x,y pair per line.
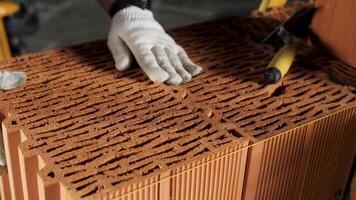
x,y
122,5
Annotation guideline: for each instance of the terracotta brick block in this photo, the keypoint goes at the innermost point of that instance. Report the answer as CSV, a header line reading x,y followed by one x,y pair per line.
x,y
309,162
4,185
79,129
335,25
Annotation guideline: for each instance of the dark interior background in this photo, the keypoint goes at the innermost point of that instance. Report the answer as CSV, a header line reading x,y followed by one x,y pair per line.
x,y
66,22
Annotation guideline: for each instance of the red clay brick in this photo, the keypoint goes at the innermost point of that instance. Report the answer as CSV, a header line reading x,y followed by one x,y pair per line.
x,y
89,130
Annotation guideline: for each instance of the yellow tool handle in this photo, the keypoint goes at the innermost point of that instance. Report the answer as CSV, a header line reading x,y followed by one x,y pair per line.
x,y
265,4
4,42
281,63
6,9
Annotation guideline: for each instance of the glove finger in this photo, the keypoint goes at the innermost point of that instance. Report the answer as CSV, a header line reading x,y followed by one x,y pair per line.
x,y
120,52
176,63
149,65
192,68
11,80
163,61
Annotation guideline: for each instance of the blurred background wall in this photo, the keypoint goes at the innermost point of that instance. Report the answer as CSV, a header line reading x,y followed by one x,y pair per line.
x,y
66,22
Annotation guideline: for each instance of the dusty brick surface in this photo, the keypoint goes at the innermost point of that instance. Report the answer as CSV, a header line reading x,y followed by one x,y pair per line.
x,y
98,129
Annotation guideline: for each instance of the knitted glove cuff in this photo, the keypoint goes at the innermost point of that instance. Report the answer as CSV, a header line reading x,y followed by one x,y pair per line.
x,y
119,5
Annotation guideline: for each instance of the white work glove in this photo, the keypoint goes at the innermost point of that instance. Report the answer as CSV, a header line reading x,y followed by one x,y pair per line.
x,y
11,80
155,51
2,156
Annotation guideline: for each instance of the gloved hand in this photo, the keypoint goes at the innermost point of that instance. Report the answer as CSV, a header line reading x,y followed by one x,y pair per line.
x,y
155,51
2,155
11,80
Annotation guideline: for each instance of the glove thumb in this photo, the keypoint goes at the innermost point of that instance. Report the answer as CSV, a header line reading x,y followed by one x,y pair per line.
x,y
11,80
120,52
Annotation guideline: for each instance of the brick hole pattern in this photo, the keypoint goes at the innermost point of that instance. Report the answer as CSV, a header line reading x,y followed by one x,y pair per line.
x,y
98,129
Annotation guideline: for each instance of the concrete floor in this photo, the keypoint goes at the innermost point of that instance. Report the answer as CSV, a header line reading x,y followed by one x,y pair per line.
x,y
69,22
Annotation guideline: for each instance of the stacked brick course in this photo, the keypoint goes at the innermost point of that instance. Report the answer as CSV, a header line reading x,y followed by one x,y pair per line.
x,y
80,129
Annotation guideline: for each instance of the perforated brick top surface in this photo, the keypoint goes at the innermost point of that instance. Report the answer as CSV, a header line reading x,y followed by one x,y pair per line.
x,y
98,129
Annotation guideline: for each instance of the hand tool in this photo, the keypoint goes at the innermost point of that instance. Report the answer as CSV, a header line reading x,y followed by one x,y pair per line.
x,y
265,4
6,9
290,33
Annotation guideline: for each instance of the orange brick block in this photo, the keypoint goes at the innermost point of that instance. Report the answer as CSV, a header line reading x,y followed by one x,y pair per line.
x,y
79,129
